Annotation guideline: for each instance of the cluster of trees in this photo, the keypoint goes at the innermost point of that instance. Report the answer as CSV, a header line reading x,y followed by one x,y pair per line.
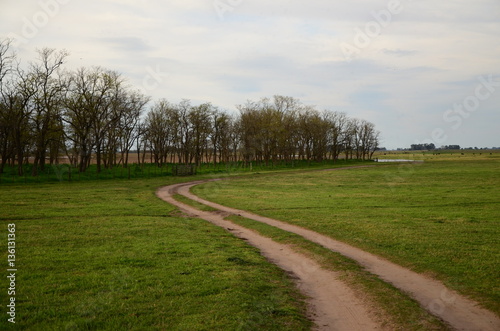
x,y
270,130
422,147
91,115
46,112
450,147
284,129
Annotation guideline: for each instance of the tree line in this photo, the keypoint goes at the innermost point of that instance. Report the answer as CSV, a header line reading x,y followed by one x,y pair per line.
x,y
91,115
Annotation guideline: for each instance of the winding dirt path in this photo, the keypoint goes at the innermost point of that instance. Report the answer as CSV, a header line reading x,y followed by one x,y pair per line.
x,y
334,306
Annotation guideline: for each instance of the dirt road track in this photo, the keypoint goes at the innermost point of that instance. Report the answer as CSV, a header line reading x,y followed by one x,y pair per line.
x,y
334,306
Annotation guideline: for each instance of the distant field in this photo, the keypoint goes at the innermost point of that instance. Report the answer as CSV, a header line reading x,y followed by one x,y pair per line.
x,y
464,154
440,217
111,256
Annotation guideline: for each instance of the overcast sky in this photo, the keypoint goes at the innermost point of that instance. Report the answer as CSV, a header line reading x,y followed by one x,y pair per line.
x,y
421,70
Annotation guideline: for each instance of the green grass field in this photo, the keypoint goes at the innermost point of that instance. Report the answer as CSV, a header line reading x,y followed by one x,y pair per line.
x,y
107,254
110,256
440,217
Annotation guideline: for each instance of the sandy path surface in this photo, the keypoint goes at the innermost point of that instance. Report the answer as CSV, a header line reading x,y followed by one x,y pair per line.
x,y
332,305
335,306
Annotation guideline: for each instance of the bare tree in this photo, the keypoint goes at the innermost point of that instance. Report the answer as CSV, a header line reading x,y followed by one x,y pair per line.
x,y
184,138
201,127
7,59
7,101
132,108
22,106
365,138
91,111
47,104
232,140
219,124
160,130
369,139
249,131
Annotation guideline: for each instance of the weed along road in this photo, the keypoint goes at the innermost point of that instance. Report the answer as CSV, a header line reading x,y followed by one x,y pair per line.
x,y
333,305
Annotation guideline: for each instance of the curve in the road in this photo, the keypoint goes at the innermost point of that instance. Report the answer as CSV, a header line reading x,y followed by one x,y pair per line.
x,y
332,305
455,309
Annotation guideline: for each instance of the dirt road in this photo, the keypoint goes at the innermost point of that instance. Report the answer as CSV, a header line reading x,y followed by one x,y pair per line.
x,y
333,306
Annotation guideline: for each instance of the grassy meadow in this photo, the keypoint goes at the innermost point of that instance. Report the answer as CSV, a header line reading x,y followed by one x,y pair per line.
x,y
102,252
109,255
440,217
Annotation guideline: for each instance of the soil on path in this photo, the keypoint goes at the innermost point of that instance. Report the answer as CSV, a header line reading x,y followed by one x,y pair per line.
x,y
333,304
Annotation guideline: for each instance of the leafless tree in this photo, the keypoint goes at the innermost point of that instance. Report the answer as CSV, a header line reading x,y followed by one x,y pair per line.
x,y
132,107
47,128
160,130
90,113
200,118
8,102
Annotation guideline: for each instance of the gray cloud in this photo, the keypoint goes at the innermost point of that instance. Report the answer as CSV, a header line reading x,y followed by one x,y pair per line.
x,y
425,59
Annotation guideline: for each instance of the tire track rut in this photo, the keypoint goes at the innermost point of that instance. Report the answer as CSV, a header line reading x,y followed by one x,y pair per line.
x,y
333,304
